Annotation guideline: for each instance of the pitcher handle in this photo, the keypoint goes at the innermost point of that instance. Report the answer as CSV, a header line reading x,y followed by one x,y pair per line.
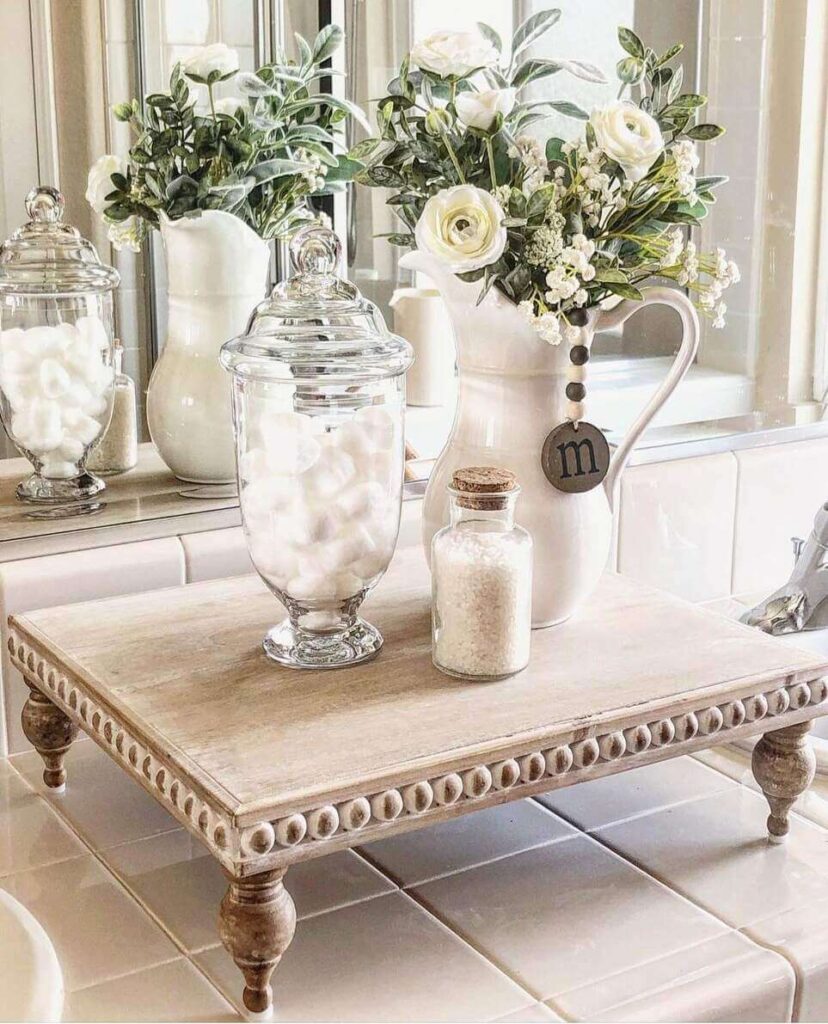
x,y
684,357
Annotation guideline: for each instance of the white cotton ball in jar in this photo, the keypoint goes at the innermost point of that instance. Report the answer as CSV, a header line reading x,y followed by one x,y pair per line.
x,y
82,362
273,559
332,471
41,430
317,587
95,406
71,449
13,339
53,380
371,566
319,621
266,494
304,524
361,499
291,454
383,468
59,470
272,427
352,544
351,437
377,424
79,426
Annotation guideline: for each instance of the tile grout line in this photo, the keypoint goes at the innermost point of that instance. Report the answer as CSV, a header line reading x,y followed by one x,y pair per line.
x,y
98,856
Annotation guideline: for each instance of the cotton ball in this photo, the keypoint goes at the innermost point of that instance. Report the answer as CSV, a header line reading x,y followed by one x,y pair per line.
x,y
371,566
377,424
83,362
382,467
71,449
353,543
351,437
93,332
312,588
291,453
305,524
274,560
95,405
320,621
41,430
47,341
13,339
332,471
348,585
59,470
53,379
79,426
361,499
273,427
266,494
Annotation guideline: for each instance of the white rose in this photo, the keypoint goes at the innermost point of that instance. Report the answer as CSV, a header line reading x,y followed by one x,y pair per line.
x,y
463,228
99,182
207,59
453,53
479,109
629,136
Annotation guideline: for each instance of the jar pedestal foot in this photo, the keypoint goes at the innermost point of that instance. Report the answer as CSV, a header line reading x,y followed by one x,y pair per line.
x,y
291,645
50,490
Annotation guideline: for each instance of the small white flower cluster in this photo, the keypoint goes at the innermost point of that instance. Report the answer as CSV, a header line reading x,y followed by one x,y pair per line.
x,y
689,261
314,175
596,189
546,246
126,234
565,279
502,194
547,325
675,247
531,155
686,158
725,273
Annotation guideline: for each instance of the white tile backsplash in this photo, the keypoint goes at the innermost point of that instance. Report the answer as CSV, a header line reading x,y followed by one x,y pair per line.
x,y
780,489
676,525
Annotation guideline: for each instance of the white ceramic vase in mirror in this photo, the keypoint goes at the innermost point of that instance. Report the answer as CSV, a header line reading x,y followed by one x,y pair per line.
x,y
216,274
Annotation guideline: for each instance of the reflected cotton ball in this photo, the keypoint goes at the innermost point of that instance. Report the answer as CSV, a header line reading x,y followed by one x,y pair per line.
x,y
377,424
351,437
59,470
78,425
53,379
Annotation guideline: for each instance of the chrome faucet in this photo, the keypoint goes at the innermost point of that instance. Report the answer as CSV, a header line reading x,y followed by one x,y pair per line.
x,y
801,603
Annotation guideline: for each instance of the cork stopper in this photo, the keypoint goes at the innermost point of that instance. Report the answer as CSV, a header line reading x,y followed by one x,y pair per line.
x,y
483,487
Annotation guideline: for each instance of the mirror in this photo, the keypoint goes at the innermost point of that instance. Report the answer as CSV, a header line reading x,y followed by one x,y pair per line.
x,y
66,63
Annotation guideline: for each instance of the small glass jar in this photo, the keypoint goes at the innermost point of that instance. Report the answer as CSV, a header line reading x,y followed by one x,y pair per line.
x,y
56,329
481,571
117,450
318,407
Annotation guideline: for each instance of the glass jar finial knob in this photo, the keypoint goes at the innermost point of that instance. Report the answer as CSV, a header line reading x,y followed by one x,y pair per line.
x,y
315,250
44,205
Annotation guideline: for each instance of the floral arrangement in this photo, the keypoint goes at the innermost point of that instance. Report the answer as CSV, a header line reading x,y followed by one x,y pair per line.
x,y
258,155
557,228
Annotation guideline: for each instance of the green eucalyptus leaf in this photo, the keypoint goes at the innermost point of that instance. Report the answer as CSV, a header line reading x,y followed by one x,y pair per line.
x,y
269,169
569,109
532,70
584,70
705,132
305,52
710,181
625,290
674,51
327,42
532,29
489,33
630,42
249,84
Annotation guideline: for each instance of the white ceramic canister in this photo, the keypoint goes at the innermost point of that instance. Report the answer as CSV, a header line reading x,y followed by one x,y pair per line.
x,y
421,317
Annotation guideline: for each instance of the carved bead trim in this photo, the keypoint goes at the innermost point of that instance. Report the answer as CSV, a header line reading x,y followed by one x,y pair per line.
x,y
218,832
373,811
514,773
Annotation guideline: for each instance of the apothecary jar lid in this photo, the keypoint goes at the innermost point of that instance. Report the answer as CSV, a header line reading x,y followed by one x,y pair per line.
x,y
48,257
316,324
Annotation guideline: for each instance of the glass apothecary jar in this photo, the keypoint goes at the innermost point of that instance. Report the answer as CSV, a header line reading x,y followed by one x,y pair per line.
x,y
318,408
56,330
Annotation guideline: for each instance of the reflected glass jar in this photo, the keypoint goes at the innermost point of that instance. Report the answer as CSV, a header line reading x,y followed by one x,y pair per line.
x,y
56,330
318,407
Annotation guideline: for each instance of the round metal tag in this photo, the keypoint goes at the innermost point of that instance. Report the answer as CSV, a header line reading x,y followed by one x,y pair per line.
x,y
575,457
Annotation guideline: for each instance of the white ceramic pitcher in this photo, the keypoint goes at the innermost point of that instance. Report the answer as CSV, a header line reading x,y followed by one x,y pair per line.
x,y
511,394
216,275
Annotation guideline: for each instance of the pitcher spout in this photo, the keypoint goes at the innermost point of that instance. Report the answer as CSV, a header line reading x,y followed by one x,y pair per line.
x,y
452,289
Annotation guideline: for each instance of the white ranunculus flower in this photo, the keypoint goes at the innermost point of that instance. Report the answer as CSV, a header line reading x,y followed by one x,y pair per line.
x,y
463,228
99,182
479,109
453,53
207,59
127,234
629,136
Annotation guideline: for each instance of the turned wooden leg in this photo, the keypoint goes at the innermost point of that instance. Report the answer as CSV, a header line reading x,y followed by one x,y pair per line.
x,y
783,764
257,921
50,732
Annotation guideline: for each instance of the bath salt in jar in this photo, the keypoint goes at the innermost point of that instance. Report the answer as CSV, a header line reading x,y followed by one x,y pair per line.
x,y
481,571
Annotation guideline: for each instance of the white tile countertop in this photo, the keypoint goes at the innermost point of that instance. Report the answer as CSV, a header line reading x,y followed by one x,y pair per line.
x,y
629,898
